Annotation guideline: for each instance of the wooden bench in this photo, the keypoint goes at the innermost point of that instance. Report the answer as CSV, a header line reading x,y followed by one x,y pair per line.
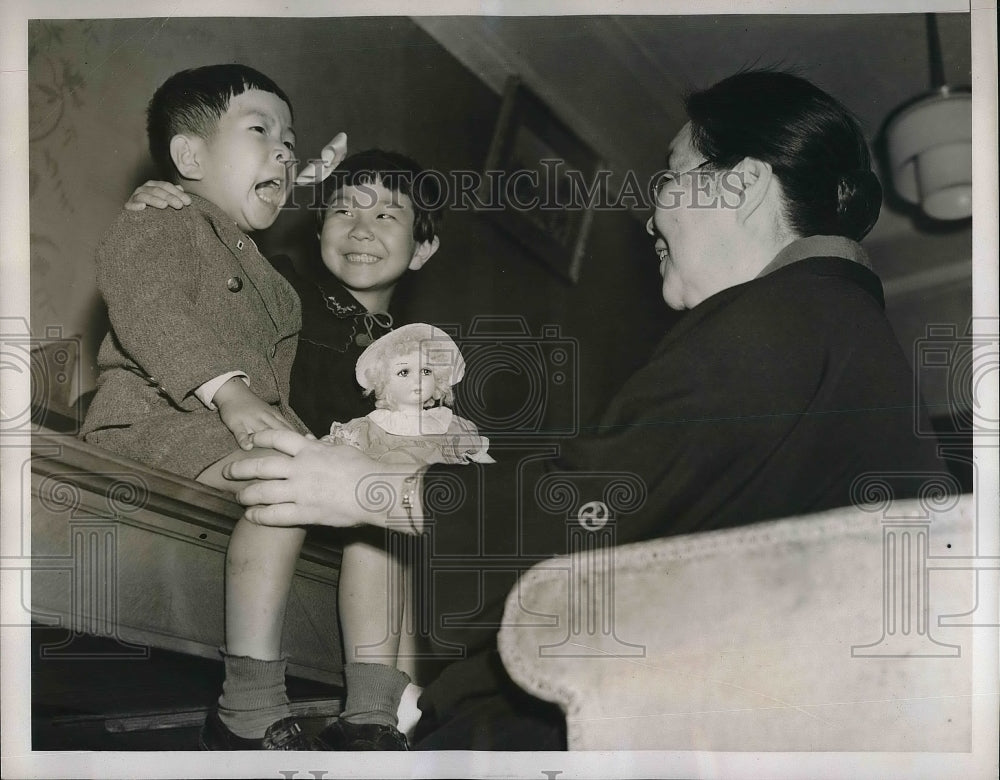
x,y
131,553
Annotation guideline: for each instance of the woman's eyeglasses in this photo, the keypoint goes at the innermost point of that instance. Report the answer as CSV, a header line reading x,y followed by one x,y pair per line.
x,y
666,177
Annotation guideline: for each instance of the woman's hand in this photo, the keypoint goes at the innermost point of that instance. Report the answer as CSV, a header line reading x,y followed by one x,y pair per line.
x,y
244,414
159,195
319,484
330,157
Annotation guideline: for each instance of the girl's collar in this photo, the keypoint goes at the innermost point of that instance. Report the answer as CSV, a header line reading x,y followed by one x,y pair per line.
x,y
338,300
367,326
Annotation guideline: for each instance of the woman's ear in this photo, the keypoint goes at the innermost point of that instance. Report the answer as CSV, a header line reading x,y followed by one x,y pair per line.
x,y
748,186
185,151
423,253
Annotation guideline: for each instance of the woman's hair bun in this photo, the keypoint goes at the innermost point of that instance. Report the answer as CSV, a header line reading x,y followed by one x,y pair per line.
x,y
859,200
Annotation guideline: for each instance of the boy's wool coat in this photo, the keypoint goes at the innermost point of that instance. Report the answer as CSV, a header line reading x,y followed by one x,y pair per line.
x,y
189,298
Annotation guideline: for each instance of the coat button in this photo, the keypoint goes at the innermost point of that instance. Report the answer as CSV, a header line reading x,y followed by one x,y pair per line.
x,y
235,284
239,244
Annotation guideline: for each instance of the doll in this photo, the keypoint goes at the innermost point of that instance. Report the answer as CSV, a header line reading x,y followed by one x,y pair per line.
x,y
411,372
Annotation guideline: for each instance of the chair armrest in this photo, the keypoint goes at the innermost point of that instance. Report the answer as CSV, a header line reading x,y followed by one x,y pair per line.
x,y
812,633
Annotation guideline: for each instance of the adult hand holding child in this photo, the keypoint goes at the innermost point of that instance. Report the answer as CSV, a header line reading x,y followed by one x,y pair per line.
x,y
313,483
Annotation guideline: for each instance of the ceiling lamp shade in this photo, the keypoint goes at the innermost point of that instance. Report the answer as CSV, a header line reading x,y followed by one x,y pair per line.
x,y
929,143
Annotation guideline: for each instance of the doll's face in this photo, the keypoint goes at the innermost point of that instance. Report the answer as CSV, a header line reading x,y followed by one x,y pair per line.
x,y
411,382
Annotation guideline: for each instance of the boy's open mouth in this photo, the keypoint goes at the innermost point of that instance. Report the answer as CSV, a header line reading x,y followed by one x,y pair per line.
x,y
362,257
270,191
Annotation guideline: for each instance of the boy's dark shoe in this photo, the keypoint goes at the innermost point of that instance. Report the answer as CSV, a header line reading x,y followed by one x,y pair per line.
x,y
284,734
342,735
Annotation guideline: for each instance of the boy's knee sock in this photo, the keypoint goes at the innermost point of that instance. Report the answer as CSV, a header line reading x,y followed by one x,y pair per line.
x,y
373,693
253,695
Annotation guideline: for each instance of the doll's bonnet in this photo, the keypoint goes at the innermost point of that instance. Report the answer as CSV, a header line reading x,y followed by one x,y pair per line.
x,y
436,348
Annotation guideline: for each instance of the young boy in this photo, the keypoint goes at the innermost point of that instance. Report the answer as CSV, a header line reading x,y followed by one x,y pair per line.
x,y
203,335
373,228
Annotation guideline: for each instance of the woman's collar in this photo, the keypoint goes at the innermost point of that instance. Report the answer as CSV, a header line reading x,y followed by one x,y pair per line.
x,y
818,246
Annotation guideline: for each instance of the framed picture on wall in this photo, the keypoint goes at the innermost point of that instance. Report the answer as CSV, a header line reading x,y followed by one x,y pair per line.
x,y
540,181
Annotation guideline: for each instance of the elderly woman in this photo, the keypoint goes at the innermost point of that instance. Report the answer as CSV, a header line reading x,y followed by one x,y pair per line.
x,y
781,385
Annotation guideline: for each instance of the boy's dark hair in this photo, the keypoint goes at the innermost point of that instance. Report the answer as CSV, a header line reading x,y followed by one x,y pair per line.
x,y
193,101
397,173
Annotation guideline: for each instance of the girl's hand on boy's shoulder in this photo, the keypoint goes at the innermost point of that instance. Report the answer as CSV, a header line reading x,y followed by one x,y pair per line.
x,y
244,414
159,195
